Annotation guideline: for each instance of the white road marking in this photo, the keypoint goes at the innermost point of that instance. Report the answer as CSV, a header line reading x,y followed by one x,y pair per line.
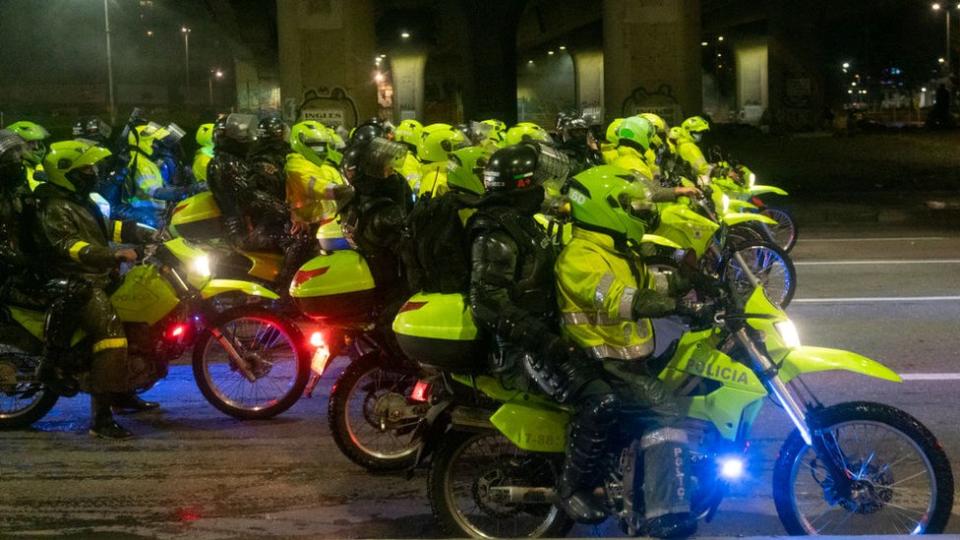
x,y
888,239
868,299
930,376
876,262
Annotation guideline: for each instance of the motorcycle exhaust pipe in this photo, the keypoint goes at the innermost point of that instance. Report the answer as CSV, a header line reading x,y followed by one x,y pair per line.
x,y
524,495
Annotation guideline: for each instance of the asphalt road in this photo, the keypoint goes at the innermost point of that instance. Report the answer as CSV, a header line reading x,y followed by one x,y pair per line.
x,y
891,294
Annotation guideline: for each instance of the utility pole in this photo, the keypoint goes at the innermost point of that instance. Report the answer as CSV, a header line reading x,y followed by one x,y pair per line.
x,y
106,27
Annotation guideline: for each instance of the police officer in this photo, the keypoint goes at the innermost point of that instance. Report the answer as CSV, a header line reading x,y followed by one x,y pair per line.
x,y
74,239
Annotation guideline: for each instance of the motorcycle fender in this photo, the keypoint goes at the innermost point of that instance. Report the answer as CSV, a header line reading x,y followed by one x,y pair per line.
x,y
217,287
761,190
736,218
532,428
660,241
737,205
802,360
431,429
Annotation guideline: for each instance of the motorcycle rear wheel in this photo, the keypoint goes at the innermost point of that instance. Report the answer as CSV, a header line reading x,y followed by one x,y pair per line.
x,y
786,231
902,486
363,387
467,465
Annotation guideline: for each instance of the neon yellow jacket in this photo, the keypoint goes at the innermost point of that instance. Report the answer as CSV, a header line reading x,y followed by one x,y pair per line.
x,y
147,180
688,151
596,286
200,161
308,196
411,171
632,160
609,153
433,179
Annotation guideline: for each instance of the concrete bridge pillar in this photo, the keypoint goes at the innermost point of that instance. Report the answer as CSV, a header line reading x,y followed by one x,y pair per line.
x,y
326,45
651,57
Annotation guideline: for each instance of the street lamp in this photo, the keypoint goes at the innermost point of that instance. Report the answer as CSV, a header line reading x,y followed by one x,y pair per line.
x,y
186,66
405,35
937,6
215,73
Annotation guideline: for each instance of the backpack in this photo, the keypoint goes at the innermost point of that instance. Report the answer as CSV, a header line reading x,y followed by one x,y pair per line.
x,y
435,247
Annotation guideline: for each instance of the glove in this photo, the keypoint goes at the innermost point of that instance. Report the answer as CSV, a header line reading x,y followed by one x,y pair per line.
x,y
699,313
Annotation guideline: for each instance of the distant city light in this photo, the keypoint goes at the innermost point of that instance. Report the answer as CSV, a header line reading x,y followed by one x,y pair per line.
x,y
941,60
849,91
218,74
378,77
529,62
550,53
703,43
562,47
405,34
184,29
936,6
149,33
383,56
846,65
924,89
720,38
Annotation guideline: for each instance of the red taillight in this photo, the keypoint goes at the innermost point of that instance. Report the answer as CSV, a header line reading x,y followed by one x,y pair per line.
x,y
176,331
412,306
421,392
180,207
316,340
757,202
306,275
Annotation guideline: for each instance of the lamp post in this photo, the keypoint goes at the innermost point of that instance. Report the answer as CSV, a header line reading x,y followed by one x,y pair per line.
x,y
214,73
106,28
937,6
186,51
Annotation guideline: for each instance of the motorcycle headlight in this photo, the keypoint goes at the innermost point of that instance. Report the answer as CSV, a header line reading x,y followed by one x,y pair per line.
x,y
201,266
788,333
725,203
751,180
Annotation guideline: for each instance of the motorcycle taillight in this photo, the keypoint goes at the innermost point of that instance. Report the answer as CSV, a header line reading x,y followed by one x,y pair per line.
x,y
421,392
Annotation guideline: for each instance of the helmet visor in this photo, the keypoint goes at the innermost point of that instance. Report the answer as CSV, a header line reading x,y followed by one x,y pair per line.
x,y
551,165
382,157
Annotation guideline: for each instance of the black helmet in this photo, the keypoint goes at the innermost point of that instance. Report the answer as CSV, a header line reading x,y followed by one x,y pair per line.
x,y
377,158
367,132
273,128
92,129
235,127
511,168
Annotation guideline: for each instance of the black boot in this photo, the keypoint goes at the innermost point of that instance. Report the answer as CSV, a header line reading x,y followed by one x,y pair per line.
x,y
586,446
132,403
103,425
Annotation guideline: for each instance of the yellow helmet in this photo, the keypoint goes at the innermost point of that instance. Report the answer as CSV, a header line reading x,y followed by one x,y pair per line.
x,y
408,132
612,130
68,164
527,131
438,141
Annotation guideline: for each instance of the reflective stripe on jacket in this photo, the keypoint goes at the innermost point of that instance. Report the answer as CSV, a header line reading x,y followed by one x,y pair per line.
x,y
596,286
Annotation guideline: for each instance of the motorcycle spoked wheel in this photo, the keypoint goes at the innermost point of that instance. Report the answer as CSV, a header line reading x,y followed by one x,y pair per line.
x,y
359,398
467,465
770,264
273,348
902,481
785,232
23,400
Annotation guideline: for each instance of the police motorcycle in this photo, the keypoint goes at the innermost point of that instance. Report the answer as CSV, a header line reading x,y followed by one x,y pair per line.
x,y
715,227
735,180
248,362
848,468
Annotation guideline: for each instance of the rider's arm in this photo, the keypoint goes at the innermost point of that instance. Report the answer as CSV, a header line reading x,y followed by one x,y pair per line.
x,y
492,274
62,233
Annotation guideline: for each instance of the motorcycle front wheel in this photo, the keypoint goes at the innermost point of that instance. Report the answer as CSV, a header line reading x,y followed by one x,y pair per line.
x,y
901,478
785,232
469,485
771,266
268,374
371,417
23,399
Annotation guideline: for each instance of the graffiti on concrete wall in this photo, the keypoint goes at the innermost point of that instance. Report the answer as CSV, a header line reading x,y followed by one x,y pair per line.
x,y
660,101
330,106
